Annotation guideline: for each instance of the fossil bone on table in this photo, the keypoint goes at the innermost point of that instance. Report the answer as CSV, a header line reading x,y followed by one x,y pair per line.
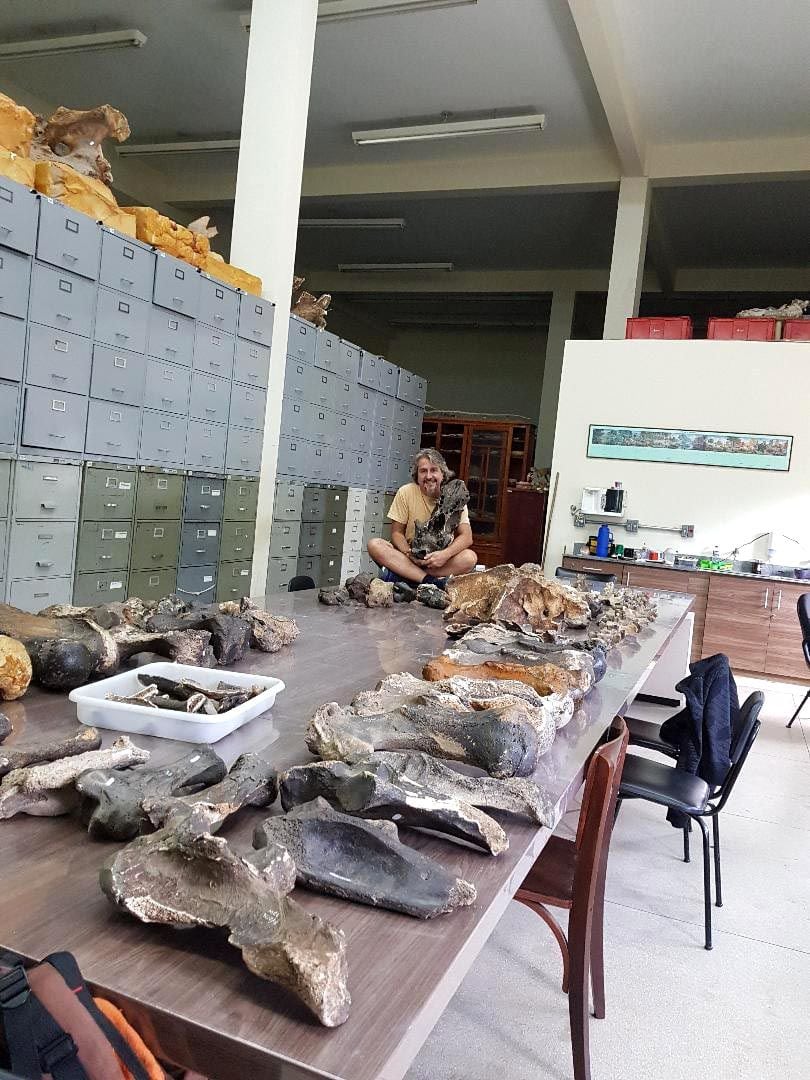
x,y
192,994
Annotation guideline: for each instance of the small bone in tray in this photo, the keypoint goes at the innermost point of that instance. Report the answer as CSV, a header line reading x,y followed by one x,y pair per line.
x,y
184,695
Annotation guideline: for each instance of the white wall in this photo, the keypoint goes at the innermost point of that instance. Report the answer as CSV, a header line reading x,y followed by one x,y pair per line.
x,y
478,371
712,385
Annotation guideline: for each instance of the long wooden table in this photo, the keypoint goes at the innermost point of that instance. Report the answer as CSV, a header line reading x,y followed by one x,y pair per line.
x,y
187,991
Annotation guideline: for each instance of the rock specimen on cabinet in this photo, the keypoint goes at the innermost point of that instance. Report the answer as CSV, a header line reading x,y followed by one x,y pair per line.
x,y
370,789
306,306
75,137
364,861
438,531
184,876
16,126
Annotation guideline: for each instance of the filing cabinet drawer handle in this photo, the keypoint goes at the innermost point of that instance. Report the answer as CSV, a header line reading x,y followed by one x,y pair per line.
x,y
199,551
106,557
205,506
120,333
110,506
117,389
44,564
127,281
211,411
219,318
62,315
243,510
113,443
47,506
56,375
161,506
55,435
167,400
177,299
69,257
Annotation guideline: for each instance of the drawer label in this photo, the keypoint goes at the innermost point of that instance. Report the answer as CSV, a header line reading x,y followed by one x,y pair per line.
x,y
121,534
125,485
207,578
216,491
116,584
212,532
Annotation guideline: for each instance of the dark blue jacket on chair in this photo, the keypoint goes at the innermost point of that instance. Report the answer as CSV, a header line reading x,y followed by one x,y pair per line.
x,y
703,730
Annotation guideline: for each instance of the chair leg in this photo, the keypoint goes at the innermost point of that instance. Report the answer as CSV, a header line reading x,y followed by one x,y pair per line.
x,y
578,1011
707,882
686,855
557,931
804,699
619,801
718,885
598,957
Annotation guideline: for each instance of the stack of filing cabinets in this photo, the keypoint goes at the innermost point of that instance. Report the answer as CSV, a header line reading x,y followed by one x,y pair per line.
x,y
350,425
112,351
142,368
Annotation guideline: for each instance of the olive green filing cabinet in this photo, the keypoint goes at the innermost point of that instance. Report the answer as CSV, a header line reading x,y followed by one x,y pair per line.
x,y
156,534
44,510
288,506
200,537
105,533
238,538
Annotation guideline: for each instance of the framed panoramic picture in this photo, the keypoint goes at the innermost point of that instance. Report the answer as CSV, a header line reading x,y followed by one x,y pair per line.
x,y
732,449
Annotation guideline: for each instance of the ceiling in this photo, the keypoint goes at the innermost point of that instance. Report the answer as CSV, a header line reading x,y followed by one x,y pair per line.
x,y
702,71
718,69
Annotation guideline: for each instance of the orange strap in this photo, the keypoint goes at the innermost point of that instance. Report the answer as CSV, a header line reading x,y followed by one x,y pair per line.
x,y
139,1047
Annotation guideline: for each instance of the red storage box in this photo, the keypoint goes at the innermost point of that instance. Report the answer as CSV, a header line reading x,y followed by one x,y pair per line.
x,y
675,328
742,329
796,330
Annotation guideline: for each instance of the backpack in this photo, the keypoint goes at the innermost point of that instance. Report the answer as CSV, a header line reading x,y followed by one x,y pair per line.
x,y
53,1027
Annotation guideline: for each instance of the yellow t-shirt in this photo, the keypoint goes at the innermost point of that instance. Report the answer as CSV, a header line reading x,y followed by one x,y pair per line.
x,y
412,506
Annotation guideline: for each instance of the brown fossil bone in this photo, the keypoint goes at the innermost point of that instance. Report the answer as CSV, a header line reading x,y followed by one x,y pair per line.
x,y
112,799
18,757
307,306
184,876
75,136
504,739
516,596
48,790
370,789
544,678
15,669
363,861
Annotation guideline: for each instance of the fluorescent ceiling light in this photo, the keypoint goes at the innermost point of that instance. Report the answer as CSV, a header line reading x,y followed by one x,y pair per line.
x,y
335,10
450,129
78,43
351,223
204,146
338,10
391,268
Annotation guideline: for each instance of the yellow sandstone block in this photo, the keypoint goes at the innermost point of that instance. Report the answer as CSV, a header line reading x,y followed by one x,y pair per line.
x,y
232,275
16,168
166,235
16,126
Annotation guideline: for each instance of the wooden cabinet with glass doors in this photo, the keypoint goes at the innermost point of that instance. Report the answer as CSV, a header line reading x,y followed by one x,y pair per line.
x,y
487,455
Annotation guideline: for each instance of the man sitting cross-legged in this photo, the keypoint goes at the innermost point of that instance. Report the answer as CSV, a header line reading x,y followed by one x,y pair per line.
x,y
413,504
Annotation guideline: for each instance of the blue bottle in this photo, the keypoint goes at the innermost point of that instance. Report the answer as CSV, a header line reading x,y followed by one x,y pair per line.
x,y
603,541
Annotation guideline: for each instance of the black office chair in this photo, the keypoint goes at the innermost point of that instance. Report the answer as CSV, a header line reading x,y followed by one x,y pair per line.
x,y
596,579
803,608
298,584
677,790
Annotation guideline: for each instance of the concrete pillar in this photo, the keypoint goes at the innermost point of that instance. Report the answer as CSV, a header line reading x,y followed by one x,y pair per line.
x,y
268,194
629,249
559,331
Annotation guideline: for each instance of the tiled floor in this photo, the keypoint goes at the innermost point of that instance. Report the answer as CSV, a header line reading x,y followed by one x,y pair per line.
x,y
674,1011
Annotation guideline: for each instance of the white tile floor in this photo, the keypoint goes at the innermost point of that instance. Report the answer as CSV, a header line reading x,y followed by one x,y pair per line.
x,y
674,1011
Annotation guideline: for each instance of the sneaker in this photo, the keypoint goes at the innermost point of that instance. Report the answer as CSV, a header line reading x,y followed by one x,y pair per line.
x,y
439,582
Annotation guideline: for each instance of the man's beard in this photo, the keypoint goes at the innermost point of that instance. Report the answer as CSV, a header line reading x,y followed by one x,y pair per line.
x,y
430,485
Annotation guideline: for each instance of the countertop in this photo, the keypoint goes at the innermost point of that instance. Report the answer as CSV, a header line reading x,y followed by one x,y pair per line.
x,y
784,578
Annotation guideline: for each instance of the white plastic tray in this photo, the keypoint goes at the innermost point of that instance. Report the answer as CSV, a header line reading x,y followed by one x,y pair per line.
x,y
94,710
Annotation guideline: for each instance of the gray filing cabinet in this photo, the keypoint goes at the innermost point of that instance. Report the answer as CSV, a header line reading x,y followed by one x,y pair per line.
x,y
42,533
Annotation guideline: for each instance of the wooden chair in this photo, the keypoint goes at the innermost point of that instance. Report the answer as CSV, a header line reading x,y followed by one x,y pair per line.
x,y
571,874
